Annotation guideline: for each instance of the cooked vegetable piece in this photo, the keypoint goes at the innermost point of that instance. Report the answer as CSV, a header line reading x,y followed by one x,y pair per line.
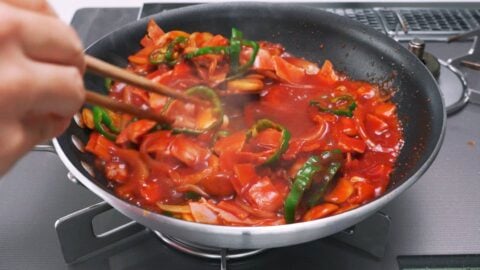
x,y
100,117
254,45
207,50
108,83
245,85
154,32
341,192
210,95
100,146
341,105
134,131
271,117
184,209
207,118
316,175
169,53
264,124
87,117
190,195
234,50
220,134
302,182
331,161
320,211
263,195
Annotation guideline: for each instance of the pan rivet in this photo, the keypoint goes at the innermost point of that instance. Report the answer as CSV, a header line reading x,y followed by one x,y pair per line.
x,y
78,143
88,168
79,119
72,178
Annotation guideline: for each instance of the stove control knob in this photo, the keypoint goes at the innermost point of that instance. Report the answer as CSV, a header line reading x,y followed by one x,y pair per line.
x,y
417,47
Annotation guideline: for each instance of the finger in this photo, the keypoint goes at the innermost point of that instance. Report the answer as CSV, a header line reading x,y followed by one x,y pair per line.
x,y
19,137
13,144
41,6
56,90
48,39
41,128
59,126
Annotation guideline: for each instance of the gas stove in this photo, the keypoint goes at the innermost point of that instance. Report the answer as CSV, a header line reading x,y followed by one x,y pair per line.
x,y
433,225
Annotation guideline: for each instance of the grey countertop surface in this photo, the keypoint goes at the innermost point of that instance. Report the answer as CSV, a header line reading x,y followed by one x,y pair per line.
x,y
66,8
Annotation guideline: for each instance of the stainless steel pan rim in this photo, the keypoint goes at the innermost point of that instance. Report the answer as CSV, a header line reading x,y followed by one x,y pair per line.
x,y
283,235
356,215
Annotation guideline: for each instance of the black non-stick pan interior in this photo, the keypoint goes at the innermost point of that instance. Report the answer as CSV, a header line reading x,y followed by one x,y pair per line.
x,y
356,50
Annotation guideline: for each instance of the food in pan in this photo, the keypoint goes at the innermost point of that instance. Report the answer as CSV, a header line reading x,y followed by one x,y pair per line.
x,y
280,139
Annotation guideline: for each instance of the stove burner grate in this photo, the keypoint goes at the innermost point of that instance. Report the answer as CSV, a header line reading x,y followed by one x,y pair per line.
x,y
470,60
205,251
202,251
79,242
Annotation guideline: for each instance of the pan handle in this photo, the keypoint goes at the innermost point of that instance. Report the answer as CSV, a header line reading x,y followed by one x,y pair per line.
x,y
46,147
78,240
49,148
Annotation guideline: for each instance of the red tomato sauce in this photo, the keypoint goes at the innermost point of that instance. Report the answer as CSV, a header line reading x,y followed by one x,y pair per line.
x,y
216,164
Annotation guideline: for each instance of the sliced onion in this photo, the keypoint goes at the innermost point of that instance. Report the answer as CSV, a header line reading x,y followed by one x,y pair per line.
x,y
194,178
245,85
188,217
203,214
254,211
371,145
182,209
193,188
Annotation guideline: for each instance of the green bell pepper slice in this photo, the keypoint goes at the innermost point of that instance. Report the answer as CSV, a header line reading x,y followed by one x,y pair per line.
x,y
330,162
205,93
302,182
167,54
254,45
207,50
345,109
108,83
313,178
264,124
233,50
101,118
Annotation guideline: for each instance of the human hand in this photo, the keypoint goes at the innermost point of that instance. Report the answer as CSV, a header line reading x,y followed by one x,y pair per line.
x,y
41,83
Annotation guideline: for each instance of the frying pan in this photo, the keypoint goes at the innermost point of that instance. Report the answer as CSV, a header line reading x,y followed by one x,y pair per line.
x,y
360,52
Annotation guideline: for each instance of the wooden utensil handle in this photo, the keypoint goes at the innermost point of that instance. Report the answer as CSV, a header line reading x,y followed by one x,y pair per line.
x,y
105,69
111,104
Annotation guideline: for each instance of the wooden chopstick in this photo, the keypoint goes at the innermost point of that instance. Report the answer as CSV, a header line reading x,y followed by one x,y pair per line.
x,y
470,64
111,104
105,69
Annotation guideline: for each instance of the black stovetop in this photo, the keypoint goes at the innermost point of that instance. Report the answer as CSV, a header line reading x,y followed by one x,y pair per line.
x,y
438,216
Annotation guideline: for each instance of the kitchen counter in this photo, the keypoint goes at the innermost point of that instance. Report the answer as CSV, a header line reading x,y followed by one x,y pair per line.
x,y
437,216
66,8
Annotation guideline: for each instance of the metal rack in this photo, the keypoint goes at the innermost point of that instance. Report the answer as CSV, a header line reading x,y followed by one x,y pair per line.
x,y
79,242
400,23
405,23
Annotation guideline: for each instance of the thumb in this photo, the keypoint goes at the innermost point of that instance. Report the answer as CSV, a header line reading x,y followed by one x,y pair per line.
x,y
40,6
